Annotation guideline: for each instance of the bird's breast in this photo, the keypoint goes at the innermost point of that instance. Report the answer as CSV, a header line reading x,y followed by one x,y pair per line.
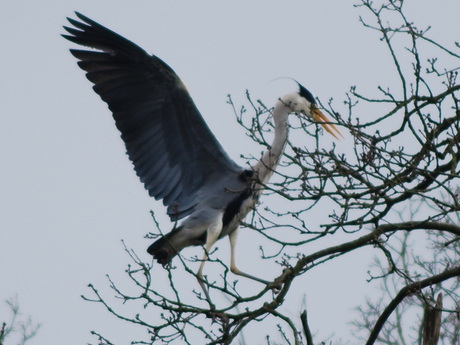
x,y
237,209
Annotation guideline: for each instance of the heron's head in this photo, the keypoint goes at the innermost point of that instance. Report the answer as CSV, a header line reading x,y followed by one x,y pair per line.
x,y
303,103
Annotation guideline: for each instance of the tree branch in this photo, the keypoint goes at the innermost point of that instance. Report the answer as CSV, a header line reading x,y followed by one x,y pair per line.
x,y
409,290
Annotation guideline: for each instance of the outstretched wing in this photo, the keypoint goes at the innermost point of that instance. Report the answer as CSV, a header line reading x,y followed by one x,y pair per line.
x,y
173,151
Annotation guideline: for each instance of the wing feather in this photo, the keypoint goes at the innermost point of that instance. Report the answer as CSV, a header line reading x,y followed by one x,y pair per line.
x,y
172,149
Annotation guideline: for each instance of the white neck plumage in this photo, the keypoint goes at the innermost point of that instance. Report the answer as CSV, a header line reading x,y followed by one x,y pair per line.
x,y
266,166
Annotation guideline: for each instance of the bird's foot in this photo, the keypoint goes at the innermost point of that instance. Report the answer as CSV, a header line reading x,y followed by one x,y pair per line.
x,y
275,286
278,283
218,316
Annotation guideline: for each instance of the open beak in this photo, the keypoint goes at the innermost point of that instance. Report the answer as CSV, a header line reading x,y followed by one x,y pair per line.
x,y
324,121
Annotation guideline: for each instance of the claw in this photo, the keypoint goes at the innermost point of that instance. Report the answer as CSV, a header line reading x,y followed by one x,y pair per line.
x,y
278,283
275,286
218,315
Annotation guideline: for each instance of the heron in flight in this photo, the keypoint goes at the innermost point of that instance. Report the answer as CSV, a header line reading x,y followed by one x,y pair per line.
x,y
174,153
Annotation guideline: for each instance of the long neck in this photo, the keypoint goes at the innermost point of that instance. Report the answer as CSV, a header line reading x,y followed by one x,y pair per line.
x,y
266,166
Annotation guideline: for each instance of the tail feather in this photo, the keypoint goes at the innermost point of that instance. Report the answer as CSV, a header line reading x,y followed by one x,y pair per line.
x,y
168,246
163,250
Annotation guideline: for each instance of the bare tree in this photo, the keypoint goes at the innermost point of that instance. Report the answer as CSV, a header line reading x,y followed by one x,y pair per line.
x,y
396,191
409,324
17,330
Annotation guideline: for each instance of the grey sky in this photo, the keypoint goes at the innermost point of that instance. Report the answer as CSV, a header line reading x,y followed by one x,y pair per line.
x,y
68,193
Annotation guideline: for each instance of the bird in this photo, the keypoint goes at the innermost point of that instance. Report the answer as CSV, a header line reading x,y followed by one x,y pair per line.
x,y
174,153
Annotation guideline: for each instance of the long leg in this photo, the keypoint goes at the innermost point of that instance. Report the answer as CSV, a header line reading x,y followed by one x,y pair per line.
x,y
233,237
212,234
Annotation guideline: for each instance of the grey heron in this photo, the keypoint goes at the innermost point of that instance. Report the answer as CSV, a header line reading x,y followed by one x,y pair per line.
x,y
174,153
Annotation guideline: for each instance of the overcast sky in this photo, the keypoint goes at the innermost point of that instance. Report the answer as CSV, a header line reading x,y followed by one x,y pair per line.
x,y
68,193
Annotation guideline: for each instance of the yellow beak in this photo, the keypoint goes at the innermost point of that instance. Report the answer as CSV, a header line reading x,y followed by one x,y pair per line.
x,y
324,121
